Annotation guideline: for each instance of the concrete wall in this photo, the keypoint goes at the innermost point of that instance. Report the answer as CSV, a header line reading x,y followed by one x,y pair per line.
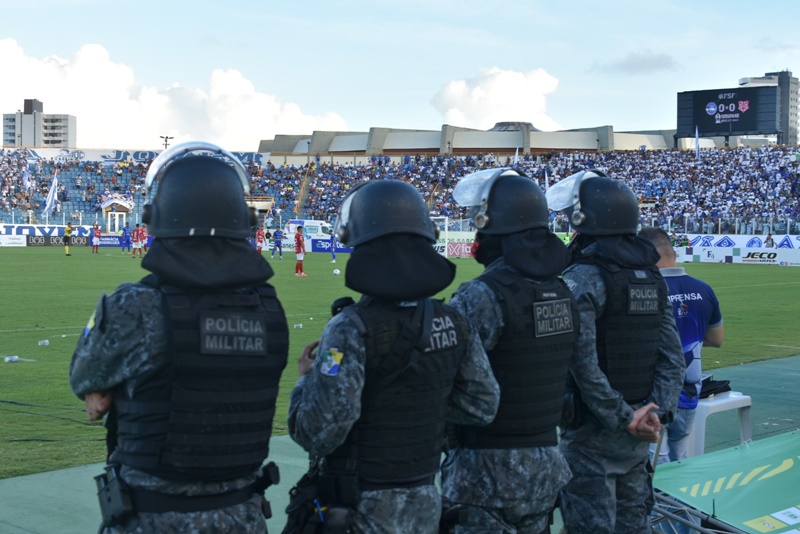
x,y
564,140
413,140
349,143
633,141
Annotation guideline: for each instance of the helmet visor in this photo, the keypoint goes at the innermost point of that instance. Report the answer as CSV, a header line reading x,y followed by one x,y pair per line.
x,y
344,214
180,150
473,189
564,194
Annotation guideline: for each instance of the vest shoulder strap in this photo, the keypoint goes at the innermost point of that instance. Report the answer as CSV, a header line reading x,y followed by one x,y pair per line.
x,y
352,313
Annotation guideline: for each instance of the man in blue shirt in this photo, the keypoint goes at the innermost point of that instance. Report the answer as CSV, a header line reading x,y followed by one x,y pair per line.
x,y
126,234
333,245
699,320
277,238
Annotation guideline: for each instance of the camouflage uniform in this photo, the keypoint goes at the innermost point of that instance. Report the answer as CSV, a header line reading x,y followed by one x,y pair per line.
x,y
125,340
611,490
511,490
324,408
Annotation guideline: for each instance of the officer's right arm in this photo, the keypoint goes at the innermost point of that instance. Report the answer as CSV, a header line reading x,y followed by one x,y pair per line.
x,y
123,339
326,402
605,403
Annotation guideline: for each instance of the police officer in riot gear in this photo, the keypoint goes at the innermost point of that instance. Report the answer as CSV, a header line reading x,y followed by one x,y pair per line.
x,y
371,403
630,365
188,359
505,477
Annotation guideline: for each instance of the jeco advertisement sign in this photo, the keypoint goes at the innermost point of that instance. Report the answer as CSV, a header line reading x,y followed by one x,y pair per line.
x,y
760,257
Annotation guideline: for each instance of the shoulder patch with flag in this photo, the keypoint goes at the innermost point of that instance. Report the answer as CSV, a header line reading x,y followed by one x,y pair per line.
x,y
89,326
96,318
331,362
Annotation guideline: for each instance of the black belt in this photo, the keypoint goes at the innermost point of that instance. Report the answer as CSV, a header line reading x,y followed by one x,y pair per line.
x,y
155,502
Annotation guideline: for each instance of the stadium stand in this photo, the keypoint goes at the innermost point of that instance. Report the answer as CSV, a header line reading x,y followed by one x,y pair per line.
x,y
738,190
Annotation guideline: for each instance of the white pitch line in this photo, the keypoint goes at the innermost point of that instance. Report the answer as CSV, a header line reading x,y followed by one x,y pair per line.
x,y
41,329
757,285
79,329
783,346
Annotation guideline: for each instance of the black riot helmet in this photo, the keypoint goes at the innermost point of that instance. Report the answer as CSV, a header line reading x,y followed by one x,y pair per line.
x,y
198,194
382,207
596,204
506,201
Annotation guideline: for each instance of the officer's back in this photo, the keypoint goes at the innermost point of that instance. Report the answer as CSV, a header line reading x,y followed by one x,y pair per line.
x,y
187,362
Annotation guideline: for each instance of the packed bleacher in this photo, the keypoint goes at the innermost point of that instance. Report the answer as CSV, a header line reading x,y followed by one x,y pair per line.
x,y
739,190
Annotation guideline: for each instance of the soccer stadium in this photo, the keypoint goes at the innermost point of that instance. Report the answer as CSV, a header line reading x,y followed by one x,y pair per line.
x,y
727,194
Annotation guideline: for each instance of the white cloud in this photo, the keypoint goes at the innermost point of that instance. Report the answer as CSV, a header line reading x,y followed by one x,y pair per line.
x,y
113,111
497,95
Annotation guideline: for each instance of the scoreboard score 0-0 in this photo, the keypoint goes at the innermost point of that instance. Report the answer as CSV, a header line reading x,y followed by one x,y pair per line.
x,y
737,111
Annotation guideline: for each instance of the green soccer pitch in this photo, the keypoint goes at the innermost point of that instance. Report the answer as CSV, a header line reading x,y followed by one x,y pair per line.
x,y
47,295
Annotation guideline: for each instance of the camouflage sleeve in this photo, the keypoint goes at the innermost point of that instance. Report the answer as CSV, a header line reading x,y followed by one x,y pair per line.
x,y
476,393
671,364
122,340
478,303
605,403
326,402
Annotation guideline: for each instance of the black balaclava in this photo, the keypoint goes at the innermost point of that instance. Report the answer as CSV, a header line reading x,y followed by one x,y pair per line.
x,y
398,267
535,252
486,248
206,262
627,250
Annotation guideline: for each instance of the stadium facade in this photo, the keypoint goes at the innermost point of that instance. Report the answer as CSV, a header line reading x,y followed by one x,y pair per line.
x,y
507,138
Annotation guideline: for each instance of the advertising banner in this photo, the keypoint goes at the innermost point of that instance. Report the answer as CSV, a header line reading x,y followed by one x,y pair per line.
x,y
785,257
324,245
116,241
51,230
12,241
54,241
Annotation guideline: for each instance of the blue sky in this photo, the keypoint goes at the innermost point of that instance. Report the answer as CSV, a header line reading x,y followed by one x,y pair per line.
x,y
237,72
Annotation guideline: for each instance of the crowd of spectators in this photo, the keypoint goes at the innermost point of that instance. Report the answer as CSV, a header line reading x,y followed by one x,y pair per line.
x,y
82,185
737,190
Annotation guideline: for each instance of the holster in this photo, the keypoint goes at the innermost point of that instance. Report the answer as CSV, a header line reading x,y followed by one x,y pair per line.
x,y
114,497
270,476
311,513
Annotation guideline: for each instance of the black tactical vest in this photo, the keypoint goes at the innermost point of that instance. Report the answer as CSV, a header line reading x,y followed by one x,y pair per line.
x,y
629,331
530,362
207,415
397,441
